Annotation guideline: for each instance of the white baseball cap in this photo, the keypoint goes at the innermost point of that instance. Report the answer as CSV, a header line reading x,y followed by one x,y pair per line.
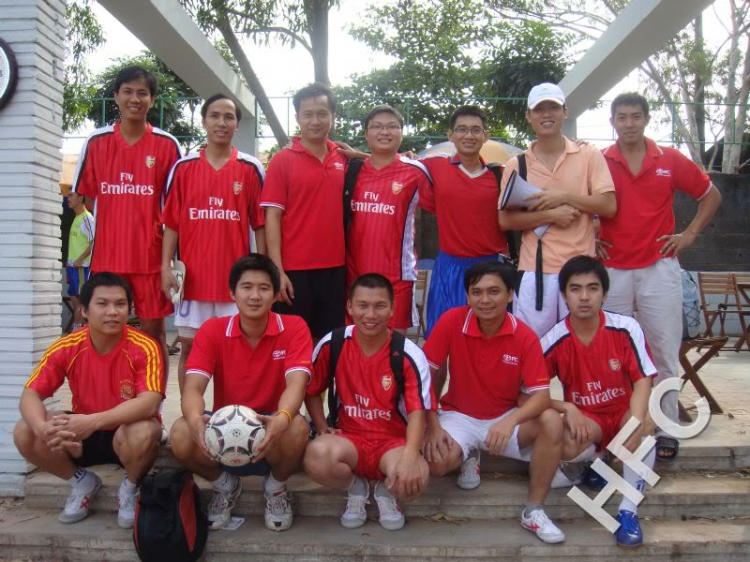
x,y
545,92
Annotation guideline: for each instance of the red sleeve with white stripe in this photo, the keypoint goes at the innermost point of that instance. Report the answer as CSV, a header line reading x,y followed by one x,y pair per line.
x,y
438,344
299,346
533,367
203,355
638,357
418,391
321,364
257,217
274,192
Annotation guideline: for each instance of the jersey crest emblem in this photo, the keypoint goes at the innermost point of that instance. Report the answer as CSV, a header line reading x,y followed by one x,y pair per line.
x,y
387,382
397,187
150,161
615,365
338,166
127,390
237,187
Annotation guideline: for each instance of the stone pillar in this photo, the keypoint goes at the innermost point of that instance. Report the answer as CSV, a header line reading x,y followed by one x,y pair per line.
x,y
30,207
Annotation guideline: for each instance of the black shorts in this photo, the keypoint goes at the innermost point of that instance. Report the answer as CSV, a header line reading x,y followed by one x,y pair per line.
x,y
98,449
319,298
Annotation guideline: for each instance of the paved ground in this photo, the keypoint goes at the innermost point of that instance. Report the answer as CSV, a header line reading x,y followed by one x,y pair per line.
x,y
727,376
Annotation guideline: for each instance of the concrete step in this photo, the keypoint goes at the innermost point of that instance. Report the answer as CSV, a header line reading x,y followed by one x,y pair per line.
x,y
36,535
498,497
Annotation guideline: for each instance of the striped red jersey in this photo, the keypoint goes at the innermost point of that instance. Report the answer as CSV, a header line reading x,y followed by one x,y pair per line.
x,y
381,235
598,377
128,185
100,382
369,402
212,212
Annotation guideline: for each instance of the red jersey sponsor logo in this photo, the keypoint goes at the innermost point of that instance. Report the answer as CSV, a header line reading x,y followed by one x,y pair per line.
x,y
595,395
127,389
150,161
214,211
127,186
510,359
372,204
397,187
387,382
279,354
237,187
338,165
360,410
615,365
663,172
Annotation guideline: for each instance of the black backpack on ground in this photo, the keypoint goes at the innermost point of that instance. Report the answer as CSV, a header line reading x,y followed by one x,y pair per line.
x,y
170,522
396,354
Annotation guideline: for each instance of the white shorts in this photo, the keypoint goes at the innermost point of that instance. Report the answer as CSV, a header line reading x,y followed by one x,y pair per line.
x,y
470,434
192,314
554,307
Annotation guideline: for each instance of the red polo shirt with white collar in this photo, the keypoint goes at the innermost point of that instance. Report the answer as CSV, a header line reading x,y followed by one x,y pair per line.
x,y
311,194
487,375
644,203
253,377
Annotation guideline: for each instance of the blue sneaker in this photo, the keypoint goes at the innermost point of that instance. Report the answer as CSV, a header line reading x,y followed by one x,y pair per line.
x,y
629,533
593,480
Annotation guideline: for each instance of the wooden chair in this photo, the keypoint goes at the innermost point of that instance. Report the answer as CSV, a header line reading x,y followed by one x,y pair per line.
x,y
713,346
420,298
723,285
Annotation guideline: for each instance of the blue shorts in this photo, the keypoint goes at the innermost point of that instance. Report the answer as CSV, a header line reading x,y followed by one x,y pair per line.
x,y
77,276
447,285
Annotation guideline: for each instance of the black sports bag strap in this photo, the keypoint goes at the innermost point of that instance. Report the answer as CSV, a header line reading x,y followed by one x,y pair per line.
x,y
336,345
512,250
398,342
350,180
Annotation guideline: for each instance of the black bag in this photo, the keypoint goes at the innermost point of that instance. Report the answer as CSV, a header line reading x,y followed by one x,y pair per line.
x,y
350,181
170,522
398,342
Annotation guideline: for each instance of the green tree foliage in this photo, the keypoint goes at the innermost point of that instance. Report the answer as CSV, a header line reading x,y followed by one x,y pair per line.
x,y
450,52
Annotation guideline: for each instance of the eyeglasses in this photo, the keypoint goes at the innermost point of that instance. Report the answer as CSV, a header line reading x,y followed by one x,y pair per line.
x,y
378,127
476,131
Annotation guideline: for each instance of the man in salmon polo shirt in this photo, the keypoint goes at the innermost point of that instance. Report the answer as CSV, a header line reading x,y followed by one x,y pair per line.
x,y
576,184
639,246
303,200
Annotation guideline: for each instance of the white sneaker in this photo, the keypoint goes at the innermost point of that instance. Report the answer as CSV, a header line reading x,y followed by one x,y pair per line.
x,y
126,512
542,526
77,505
221,504
469,477
356,510
391,514
278,515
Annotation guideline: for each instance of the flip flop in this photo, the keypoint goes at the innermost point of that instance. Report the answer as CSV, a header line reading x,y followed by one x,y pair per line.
x,y
669,445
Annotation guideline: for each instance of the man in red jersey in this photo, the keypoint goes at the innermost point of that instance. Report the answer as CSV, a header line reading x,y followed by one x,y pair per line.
x,y
464,198
213,198
495,359
380,238
603,364
639,245
303,198
116,378
258,359
380,418
123,168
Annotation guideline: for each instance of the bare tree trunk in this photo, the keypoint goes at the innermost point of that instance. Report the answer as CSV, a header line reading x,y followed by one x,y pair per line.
x,y
254,83
735,116
317,17
700,91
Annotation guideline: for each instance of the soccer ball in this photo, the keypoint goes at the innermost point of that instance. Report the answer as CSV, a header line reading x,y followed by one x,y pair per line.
x,y
233,434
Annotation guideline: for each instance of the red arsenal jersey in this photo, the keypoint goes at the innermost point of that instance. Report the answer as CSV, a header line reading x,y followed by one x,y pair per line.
x,y
487,375
381,235
466,207
128,183
253,377
644,203
311,194
212,211
598,377
100,382
369,403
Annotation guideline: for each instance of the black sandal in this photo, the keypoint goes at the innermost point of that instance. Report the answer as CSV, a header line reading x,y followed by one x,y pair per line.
x,y
668,445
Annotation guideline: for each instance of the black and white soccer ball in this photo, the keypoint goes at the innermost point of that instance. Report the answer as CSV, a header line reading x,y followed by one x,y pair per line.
x,y
233,434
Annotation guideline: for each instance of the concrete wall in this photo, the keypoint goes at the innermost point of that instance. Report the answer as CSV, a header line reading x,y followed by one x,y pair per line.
x,y
30,139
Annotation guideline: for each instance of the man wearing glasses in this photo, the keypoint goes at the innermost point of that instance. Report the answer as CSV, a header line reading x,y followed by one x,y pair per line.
x,y
463,196
380,238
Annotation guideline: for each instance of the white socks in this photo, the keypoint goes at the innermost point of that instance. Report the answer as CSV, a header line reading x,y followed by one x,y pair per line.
x,y
632,478
224,483
81,480
271,485
358,486
127,487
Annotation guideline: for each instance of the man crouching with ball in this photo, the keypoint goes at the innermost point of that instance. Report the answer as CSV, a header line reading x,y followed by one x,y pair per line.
x,y
257,359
